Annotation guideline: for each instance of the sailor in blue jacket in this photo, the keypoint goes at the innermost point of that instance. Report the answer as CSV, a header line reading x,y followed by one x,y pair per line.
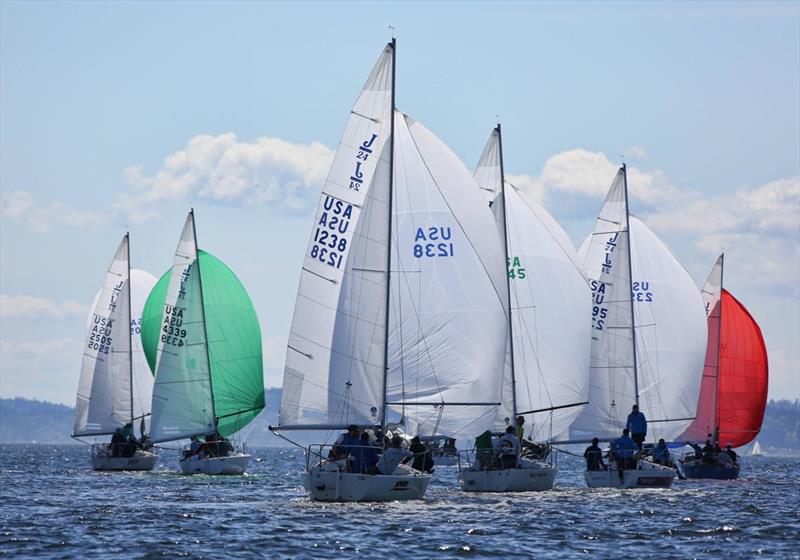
x,y
637,424
624,449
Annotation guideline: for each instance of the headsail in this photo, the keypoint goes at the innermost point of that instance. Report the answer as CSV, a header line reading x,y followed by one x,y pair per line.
x,y
335,356
669,325
104,400
182,398
448,319
550,305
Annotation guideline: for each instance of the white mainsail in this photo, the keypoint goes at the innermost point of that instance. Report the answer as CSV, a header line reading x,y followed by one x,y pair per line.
x,y
335,355
182,399
667,318
104,400
141,283
550,304
448,321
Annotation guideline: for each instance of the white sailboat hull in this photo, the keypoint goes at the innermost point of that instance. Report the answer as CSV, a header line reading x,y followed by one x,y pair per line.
x,y
533,476
102,460
333,486
649,475
229,465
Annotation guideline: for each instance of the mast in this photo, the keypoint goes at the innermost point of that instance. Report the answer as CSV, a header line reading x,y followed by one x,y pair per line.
x,y
508,280
389,239
203,315
630,282
130,316
719,345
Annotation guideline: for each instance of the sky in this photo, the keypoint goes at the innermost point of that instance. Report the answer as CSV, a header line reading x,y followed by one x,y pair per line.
x,y
121,116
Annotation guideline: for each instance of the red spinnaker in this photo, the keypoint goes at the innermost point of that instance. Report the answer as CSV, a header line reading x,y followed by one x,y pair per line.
x,y
741,394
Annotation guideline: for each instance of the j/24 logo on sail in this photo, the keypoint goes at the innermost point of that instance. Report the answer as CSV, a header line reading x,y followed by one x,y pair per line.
x,y
435,242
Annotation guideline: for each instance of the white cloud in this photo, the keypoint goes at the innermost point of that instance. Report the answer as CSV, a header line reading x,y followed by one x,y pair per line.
x,y
580,171
43,369
30,307
22,206
265,171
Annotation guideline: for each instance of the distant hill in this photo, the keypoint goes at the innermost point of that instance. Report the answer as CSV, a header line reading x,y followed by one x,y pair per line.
x,y
29,421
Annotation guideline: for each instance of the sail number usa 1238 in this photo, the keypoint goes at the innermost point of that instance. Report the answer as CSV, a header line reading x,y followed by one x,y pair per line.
x,y
331,235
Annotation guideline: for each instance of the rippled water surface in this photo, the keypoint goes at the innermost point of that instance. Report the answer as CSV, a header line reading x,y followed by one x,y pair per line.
x,y
53,505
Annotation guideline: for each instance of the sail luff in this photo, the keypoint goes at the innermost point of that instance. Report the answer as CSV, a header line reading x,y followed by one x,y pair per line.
x,y
630,281
719,346
203,316
130,315
389,245
508,280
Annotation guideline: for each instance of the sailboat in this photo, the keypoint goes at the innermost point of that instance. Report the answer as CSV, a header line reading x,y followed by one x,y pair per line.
x,y
115,383
756,451
648,338
733,393
399,313
550,336
202,339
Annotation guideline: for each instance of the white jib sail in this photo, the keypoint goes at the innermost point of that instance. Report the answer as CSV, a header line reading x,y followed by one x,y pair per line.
x,y
550,305
182,400
104,390
448,326
335,355
670,329
142,283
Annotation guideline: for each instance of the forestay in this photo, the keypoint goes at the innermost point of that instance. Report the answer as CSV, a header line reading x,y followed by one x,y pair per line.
x,y
335,355
104,391
448,325
670,328
550,305
182,398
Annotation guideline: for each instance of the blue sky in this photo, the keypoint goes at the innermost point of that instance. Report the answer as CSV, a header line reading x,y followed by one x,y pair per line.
x,y
122,115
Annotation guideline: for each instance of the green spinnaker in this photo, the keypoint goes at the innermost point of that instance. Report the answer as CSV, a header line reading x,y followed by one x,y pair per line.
x,y
234,342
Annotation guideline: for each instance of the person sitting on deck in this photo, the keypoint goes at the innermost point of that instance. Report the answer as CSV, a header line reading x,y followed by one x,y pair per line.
x,y
594,457
422,456
129,448
520,432
365,456
483,450
709,453
661,453
118,440
732,454
393,456
344,444
509,449
195,446
637,424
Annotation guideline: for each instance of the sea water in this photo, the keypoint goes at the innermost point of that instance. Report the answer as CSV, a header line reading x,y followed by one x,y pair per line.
x,y
52,505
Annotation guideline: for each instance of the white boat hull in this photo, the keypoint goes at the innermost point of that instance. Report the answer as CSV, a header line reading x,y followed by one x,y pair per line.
x,y
232,464
533,476
333,486
649,475
141,461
